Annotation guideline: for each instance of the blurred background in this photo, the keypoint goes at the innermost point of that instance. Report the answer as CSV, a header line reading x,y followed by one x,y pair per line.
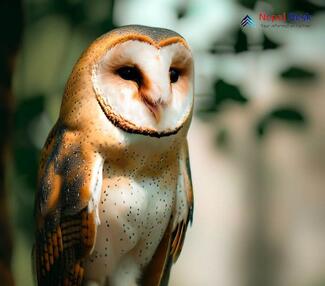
x,y
256,141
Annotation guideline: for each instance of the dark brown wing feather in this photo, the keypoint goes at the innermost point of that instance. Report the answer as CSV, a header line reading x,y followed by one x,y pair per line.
x,y
65,228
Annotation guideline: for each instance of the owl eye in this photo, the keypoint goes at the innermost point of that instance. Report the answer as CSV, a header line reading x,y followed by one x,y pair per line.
x,y
174,75
130,73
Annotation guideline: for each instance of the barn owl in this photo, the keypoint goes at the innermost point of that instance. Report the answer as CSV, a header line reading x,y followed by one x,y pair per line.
x,y
114,192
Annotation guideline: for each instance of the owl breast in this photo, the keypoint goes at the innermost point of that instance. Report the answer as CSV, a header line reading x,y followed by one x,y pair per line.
x,y
134,211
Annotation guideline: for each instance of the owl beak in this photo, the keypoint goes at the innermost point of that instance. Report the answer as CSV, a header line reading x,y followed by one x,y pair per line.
x,y
154,108
155,95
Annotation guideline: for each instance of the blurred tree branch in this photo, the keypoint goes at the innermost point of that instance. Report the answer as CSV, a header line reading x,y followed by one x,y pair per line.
x,y
11,23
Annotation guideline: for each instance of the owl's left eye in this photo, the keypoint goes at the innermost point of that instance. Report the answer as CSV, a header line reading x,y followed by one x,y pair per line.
x,y
174,75
130,73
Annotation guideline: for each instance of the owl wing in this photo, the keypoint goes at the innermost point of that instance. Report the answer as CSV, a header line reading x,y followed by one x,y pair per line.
x,y
170,247
184,204
69,186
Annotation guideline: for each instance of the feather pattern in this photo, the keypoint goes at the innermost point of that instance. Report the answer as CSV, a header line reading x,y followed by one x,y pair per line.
x,y
66,227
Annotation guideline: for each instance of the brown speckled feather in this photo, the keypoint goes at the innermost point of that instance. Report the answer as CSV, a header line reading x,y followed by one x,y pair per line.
x,y
179,233
158,271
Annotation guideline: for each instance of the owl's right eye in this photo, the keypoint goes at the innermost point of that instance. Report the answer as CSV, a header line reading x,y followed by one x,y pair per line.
x,y
130,73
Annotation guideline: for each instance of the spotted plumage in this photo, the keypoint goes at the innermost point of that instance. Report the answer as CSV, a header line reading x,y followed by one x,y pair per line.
x,y
114,192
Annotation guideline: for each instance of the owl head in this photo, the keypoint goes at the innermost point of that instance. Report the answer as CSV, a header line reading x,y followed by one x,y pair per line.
x,y
141,78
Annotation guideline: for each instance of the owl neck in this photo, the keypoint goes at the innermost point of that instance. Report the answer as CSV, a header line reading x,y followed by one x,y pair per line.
x,y
150,156
144,148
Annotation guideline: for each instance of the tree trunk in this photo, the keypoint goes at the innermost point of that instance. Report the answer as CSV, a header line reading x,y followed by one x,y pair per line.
x,y
10,35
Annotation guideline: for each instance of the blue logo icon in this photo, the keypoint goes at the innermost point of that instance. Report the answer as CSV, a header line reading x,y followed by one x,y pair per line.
x,y
247,21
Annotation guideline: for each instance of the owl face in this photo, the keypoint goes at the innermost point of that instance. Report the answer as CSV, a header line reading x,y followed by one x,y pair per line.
x,y
144,87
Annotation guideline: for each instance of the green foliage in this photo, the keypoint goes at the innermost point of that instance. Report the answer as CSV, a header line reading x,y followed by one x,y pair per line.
x,y
285,114
241,44
310,7
248,3
225,92
297,73
269,44
10,38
